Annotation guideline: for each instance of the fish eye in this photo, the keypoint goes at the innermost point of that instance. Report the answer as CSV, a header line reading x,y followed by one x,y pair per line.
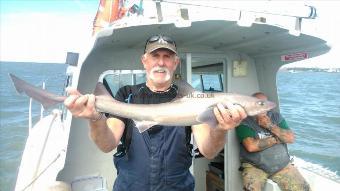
x,y
261,103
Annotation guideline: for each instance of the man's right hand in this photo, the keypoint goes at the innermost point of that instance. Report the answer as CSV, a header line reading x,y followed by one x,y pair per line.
x,y
81,105
263,120
107,133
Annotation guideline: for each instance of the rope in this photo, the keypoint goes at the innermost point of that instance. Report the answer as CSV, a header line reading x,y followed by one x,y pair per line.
x,y
36,178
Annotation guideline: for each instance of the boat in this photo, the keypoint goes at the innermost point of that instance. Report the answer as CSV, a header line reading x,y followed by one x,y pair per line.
x,y
333,70
292,71
238,47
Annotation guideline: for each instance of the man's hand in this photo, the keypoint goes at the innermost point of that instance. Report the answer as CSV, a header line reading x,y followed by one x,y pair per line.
x,y
264,121
210,140
105,136
229,118
81,105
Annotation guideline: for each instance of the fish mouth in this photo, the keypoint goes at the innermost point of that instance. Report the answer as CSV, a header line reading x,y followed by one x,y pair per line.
x,y
271,105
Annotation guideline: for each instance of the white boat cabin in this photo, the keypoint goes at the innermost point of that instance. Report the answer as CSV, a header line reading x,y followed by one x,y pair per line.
x,y
217,54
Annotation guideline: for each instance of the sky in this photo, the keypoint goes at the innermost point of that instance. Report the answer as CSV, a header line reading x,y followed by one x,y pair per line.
x,y
45,30
329,29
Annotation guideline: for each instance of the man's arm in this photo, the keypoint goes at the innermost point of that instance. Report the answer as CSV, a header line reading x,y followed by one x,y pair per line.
x,y
106,133
254,145
284,134
247,136
211,140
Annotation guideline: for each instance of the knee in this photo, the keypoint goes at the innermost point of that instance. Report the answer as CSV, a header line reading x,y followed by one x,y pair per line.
x,y
253,184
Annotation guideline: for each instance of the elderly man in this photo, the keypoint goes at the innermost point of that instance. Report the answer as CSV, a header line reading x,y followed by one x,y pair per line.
x,y
158,159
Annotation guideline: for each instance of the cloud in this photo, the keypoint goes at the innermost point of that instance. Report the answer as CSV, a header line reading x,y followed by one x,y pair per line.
x,y
328,29
43,37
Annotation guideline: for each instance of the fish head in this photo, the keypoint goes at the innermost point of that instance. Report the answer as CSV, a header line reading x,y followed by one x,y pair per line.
x,y
259,106
252,105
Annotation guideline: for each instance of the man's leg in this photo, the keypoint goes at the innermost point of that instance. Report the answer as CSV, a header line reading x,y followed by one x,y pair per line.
x,y
254,179
290,179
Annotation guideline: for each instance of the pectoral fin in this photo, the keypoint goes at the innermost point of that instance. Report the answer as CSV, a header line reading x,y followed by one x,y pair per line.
x,y
144,125
208,117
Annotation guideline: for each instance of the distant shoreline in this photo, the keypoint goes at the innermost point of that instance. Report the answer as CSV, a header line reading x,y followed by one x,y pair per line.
x,y
311,69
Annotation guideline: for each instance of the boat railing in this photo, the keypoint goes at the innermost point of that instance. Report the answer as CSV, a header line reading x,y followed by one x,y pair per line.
x,y
30,116
271,13
30,111
42,109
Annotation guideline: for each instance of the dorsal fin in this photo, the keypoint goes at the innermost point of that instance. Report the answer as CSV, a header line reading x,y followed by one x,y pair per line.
x,y
101,90
184,88
102,93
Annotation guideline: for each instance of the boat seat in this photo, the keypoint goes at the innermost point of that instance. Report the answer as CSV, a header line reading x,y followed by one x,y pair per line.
x,y
89,183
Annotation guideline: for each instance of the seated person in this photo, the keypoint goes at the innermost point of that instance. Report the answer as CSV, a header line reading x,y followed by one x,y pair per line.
x,y
264,153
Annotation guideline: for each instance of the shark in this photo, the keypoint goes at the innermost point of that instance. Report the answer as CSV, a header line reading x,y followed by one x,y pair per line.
x,y
190,107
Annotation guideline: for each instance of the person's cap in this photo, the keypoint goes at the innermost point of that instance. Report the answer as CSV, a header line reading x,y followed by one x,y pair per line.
x,y
158,42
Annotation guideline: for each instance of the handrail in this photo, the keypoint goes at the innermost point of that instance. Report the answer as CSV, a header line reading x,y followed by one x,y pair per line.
x,y
305,11
30,116
41,107
30,112
40,173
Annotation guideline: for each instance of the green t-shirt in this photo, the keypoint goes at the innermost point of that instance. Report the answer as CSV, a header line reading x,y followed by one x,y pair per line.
x,y
243,131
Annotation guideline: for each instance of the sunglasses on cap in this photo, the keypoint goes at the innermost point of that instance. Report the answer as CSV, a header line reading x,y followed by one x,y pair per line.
x,y
159,38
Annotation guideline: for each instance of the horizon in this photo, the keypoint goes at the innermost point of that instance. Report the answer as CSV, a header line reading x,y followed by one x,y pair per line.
x,y
283,67
47,30
3,61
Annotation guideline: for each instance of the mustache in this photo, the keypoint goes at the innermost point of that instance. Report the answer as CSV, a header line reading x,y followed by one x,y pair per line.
x,y
160,69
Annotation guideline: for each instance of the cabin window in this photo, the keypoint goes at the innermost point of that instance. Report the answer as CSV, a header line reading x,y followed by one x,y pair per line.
x,y
212,82
115,79
196,82
208,82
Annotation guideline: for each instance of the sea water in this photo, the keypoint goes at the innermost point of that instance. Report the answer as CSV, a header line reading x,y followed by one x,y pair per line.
x,y
14,112
310,102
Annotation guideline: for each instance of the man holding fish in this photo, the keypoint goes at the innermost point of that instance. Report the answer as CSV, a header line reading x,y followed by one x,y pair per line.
x,y
158,158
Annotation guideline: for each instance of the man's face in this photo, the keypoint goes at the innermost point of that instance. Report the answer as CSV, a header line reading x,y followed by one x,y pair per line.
x,y
160,65
261,116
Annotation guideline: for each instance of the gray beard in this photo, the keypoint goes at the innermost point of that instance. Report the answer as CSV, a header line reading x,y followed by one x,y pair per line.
x,y
153,78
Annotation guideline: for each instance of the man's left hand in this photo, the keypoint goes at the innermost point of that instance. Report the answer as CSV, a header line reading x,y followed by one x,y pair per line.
x,y
229,117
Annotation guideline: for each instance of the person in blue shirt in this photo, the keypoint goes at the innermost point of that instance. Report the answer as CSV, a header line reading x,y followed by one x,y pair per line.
x,y
157,159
